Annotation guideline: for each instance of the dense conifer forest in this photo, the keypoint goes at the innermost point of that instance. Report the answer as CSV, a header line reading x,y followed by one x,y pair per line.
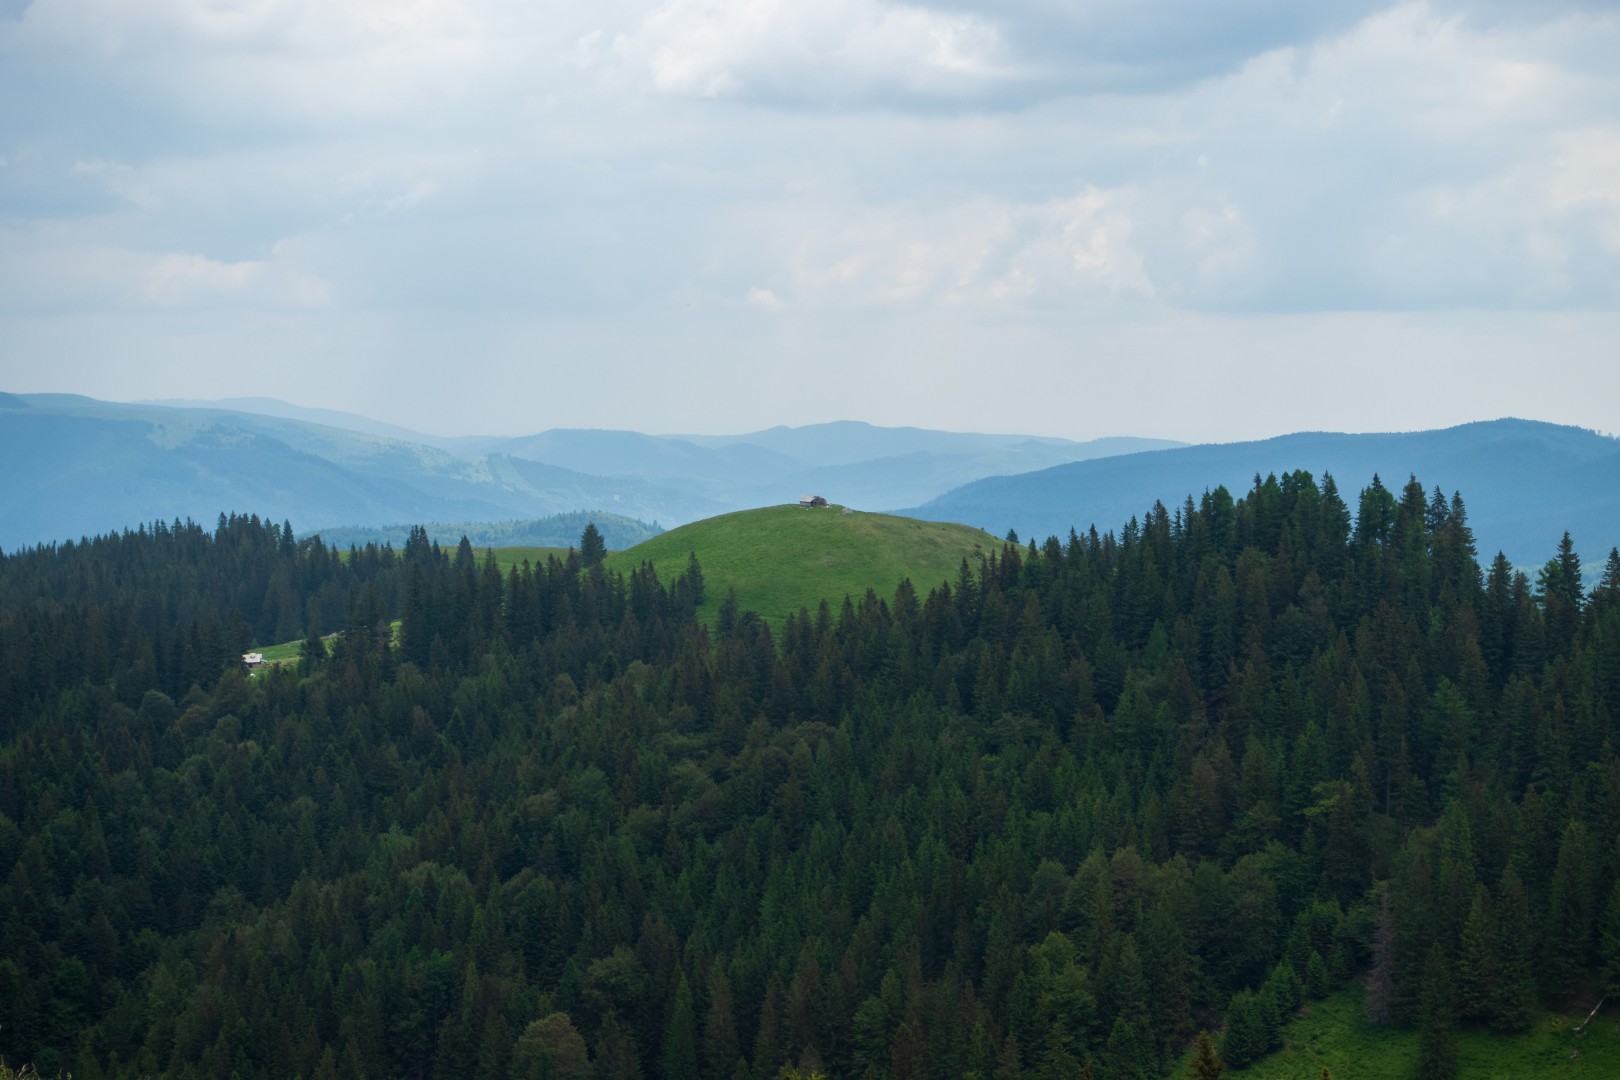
x,y
1099,794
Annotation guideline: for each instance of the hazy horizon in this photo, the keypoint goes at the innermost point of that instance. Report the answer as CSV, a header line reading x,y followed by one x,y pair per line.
x,y
272,406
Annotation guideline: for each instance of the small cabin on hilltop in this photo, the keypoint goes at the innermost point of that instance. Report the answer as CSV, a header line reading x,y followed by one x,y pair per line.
x,y
253,660
810,501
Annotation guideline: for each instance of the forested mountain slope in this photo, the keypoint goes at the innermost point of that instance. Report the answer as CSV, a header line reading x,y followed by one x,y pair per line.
x,y
1091,797
1519,476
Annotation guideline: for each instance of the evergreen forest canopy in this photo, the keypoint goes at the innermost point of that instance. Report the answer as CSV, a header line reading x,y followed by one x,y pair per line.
x,y
1096,795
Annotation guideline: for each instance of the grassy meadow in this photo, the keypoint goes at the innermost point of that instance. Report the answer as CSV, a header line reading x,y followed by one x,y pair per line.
x,y
781,558
508,557
1334,1032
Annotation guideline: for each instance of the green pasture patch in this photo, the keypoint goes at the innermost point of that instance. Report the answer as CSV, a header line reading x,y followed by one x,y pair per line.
x,y
1335,1033
782,558
508,557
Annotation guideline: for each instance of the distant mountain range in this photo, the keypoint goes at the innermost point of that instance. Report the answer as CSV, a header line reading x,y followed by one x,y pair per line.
x,y
77,466
1523,483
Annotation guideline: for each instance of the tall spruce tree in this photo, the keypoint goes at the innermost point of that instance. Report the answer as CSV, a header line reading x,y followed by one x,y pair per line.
x,y
1571,912
1516,992
592,548
680,1053
1479,962
1437,1025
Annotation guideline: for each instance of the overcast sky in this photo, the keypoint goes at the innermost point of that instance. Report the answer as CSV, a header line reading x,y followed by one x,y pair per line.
x,y
1208,219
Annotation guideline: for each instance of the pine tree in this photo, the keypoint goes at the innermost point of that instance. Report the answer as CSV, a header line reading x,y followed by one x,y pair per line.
x,y
721,1046
592,548
680,1035
694,579
1007,1061
1607,592
1284,989
1206,1063
1437,1030
1057,1061
1251,1027
1318,980
1571,912
312,651
1516,992
1609,944
1479,968
1559,586
1130,1054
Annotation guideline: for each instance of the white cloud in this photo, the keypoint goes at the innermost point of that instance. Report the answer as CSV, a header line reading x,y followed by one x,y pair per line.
x,y
1581,181
985,254
244,64
1420,160
813,50
184,280
70,268
765,298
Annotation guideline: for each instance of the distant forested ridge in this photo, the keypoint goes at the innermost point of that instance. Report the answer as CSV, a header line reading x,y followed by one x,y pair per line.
x,y
1519,475
558,530
77,466
1101,792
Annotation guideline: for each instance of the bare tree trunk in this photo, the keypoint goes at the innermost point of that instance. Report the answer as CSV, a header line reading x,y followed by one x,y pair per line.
x,y
1591,1014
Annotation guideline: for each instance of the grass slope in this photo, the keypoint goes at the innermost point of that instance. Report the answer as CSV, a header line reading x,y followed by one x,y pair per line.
x,y
781,558
1334,1032
508,557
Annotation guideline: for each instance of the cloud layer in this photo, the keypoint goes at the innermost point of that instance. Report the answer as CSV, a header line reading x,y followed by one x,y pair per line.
x,y
759,182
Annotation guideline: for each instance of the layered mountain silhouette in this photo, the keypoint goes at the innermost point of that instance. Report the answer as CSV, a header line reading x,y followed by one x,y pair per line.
x,y
1523,483
79,466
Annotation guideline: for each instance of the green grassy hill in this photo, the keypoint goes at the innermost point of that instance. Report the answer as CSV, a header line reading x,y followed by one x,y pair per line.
x,y
781,558
1334,1032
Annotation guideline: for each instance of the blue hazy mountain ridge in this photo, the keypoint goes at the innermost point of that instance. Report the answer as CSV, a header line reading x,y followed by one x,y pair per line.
x,y
654,457
84,466
871,467
1524,482
321,468
70,476
848,442
855,463
285,410
79,467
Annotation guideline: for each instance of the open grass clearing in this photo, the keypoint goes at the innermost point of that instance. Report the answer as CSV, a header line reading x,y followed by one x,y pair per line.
x,y
782,558
1334,1032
